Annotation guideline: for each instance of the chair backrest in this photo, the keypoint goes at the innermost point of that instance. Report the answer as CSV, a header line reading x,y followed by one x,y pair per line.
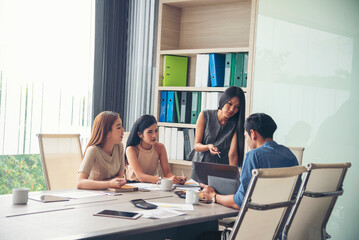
x,y
320,189
298,152
266,205
124,139
61,157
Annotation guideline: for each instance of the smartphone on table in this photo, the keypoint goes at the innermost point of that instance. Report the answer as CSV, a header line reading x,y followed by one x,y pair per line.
x,y
140,203
118,214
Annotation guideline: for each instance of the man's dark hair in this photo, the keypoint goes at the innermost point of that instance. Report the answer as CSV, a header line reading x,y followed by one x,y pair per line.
x,y
261,123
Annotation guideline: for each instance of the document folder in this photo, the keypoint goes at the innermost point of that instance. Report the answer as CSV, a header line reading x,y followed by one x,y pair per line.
x,y
186,103
170,107
163,106
238,74
175,71
245,69
216,68
187,144
177,106
194,109
227,71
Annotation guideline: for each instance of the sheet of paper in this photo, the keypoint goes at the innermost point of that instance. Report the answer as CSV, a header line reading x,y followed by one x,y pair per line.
x,y
174,206
78,194
160,213
147,186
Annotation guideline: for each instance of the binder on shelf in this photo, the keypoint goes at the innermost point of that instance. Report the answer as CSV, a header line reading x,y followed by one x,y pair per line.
x,y
170,106
161,135
245,69
238,73
202,70
227,71
187,144
191,137
177,106
194,108
233,69
203,101
163,106
167,140
216,69
213,100
186,103
175,71
180,145
173,152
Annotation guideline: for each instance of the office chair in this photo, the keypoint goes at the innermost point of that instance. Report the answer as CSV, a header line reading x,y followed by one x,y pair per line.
x,y
270,195
298,152
321,188
61,157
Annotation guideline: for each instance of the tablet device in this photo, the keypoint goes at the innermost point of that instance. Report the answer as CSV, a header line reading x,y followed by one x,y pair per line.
x,y
201,171
223,186
118,214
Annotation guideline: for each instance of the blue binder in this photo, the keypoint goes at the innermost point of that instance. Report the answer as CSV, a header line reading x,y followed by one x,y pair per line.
x,y
170,106
216,69
163,106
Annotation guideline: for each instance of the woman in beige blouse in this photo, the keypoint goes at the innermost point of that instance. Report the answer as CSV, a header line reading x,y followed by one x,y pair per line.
x,y
144,153
103,165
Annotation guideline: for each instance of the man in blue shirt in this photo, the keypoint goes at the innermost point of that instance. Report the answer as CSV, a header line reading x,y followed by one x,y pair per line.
x,y
265,153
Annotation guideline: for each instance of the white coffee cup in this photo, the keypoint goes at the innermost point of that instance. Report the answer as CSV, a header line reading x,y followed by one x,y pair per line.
x,y
192,196
166,184
20,195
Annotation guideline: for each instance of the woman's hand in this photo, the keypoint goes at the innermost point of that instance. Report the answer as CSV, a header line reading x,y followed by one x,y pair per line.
x,y
117,182
179,180
212,149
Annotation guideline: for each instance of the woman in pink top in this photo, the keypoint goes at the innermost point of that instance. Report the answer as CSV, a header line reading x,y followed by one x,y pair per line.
x,y
144,153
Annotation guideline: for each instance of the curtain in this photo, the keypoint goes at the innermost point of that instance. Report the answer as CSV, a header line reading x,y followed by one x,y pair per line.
x,y
111,25
140,74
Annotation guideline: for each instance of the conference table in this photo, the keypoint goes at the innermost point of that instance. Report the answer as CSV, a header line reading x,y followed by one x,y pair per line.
x,y
74,219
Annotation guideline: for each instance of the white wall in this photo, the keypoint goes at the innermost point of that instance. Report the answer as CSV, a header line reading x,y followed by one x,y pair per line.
x,y
306,76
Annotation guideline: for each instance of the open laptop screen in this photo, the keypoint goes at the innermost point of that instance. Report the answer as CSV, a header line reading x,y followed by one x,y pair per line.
x,y
201,171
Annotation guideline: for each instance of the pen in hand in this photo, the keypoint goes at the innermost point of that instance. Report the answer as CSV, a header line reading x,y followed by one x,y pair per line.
x,y
218,154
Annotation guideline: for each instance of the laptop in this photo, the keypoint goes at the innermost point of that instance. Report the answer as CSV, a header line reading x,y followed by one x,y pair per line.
x,y
201,171
223,186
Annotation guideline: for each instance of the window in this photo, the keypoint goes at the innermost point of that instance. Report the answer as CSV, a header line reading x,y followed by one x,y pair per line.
x,y
46,72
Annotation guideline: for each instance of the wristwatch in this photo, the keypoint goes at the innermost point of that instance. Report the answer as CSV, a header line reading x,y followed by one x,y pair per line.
x,y
214,198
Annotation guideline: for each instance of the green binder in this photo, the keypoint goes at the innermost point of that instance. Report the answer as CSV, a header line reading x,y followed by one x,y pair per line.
x,y
177,106
227,70
245,69
175,71
238,71
233,68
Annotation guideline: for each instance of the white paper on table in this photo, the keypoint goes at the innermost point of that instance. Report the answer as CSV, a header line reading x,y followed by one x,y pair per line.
x,y
78,194
174,206
147,186
160,213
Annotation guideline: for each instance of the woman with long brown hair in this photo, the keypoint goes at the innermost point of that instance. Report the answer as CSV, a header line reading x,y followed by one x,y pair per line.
x,y
103,165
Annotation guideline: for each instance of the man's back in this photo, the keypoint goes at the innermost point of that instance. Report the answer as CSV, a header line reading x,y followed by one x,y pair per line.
x,y
269,155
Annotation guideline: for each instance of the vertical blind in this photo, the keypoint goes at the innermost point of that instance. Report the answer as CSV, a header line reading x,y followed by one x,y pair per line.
x,y
140,70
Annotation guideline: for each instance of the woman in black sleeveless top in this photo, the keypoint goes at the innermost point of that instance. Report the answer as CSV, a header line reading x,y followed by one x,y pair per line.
x,y
219,133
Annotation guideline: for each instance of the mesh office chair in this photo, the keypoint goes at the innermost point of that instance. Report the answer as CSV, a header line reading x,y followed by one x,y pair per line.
x,y
321,188
266,205
61,157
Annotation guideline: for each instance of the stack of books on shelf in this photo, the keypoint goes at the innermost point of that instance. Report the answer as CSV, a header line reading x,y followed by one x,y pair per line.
x,y
178,142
